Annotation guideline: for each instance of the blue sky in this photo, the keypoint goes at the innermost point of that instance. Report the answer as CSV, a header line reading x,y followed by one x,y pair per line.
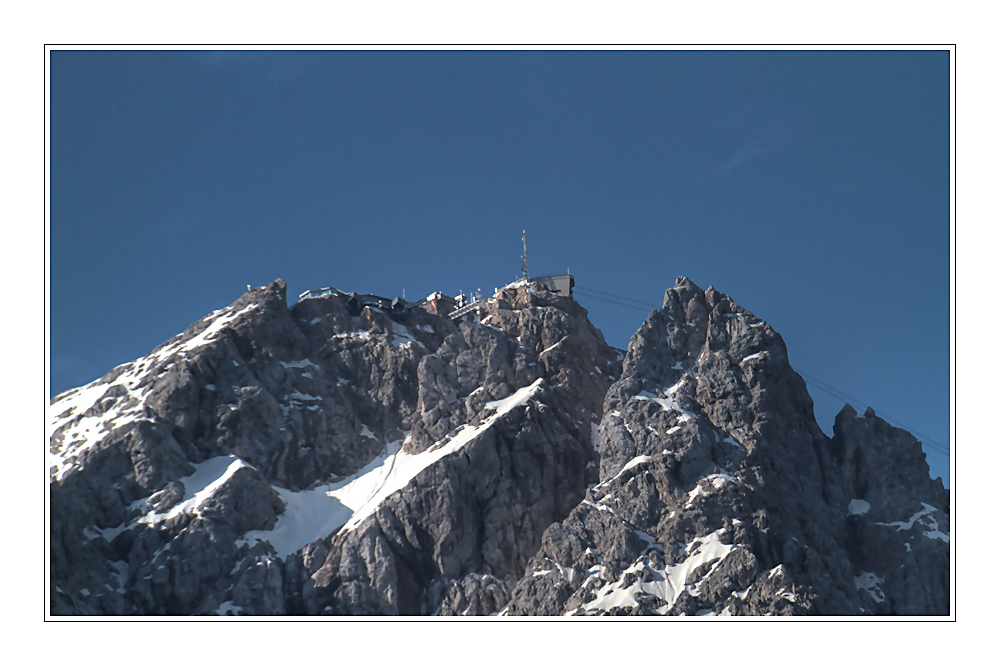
x,y
812,187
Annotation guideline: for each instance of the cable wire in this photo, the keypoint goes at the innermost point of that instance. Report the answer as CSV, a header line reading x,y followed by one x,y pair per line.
x,y
608,300
621,298
934,444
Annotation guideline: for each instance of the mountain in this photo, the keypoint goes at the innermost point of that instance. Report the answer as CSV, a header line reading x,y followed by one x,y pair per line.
x,y
341,458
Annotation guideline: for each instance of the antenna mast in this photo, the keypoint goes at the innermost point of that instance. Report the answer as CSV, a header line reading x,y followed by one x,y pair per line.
x,y
524,257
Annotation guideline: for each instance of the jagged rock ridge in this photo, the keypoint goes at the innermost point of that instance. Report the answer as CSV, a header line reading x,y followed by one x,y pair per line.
x,y
276,460
720,494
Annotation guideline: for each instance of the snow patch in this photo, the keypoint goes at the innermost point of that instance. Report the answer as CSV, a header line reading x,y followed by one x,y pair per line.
x,y
304,363
730,440
72,433
228,608
551,347
638,460
668,403
360,335
208,477
858,507
714,481
695,494
121,575
76,401
296,395
109,533
923,516
567,573
869,582
520,397
602,507
402,337
666,583
206,336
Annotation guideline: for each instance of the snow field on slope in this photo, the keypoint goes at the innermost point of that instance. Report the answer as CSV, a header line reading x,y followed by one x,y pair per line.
x,y
316,513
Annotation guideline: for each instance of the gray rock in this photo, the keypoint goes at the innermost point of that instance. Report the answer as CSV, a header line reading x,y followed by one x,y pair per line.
x,y
689,479
475,594
709,453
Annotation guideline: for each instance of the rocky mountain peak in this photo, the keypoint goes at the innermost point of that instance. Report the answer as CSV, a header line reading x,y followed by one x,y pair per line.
x,y
345,456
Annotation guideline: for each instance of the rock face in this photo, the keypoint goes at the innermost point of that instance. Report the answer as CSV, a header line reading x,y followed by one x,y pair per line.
x,y
720,495
898,528
275,460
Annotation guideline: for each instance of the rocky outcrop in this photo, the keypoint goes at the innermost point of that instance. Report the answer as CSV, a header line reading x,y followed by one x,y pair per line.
x,y
898,527
719,493
169,473
307,460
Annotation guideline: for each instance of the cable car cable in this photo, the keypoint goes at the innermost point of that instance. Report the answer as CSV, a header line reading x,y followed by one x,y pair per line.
x,y
608,300
622,298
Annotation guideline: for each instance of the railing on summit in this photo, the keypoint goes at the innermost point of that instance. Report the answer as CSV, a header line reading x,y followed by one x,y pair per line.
x,y
465,309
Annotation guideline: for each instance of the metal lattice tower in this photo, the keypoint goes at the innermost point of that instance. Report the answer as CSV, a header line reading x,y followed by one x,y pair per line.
x,y
524,257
